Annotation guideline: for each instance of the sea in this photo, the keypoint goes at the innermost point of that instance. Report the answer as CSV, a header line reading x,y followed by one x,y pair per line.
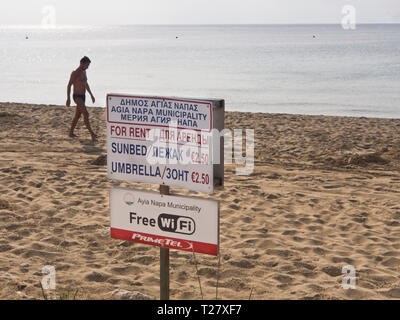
x,y
297,69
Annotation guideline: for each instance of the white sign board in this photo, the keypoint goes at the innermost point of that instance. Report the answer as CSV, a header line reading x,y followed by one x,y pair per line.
x,y
175,222
163,140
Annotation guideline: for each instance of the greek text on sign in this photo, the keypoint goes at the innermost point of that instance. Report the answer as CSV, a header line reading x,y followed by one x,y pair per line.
x,y
163,141
160,112
176,222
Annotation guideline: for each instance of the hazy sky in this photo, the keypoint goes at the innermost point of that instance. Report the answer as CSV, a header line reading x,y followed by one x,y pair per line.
x,y
92,12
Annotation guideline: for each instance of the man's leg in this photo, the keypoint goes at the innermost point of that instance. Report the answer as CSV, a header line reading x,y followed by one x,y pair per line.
x,y
74,122
85,113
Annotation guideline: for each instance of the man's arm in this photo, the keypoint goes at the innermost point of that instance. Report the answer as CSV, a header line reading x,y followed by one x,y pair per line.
x,y
71,81
90,92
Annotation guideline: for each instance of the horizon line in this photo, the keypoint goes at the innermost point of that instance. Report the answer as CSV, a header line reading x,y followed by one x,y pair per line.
x,y
185,24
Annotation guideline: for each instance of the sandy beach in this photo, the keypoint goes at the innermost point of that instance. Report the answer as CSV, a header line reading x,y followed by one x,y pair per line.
x,y
324,194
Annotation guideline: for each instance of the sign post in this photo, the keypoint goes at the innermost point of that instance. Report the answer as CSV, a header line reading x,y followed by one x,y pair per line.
x,y
164,260
167,141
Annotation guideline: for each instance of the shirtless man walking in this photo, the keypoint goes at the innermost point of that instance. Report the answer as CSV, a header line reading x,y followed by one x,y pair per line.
x,y
79,81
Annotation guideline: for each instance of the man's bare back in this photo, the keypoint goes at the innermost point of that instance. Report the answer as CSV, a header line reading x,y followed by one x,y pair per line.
x,y
79,81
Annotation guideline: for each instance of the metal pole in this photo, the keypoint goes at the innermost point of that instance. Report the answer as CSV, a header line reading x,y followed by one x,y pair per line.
x,y
164,260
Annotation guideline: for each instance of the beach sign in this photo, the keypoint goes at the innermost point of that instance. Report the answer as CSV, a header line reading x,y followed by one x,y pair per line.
x,y
165,140
168,221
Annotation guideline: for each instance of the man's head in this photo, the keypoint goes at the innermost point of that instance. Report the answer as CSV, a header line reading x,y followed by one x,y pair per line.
x,y
85,62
